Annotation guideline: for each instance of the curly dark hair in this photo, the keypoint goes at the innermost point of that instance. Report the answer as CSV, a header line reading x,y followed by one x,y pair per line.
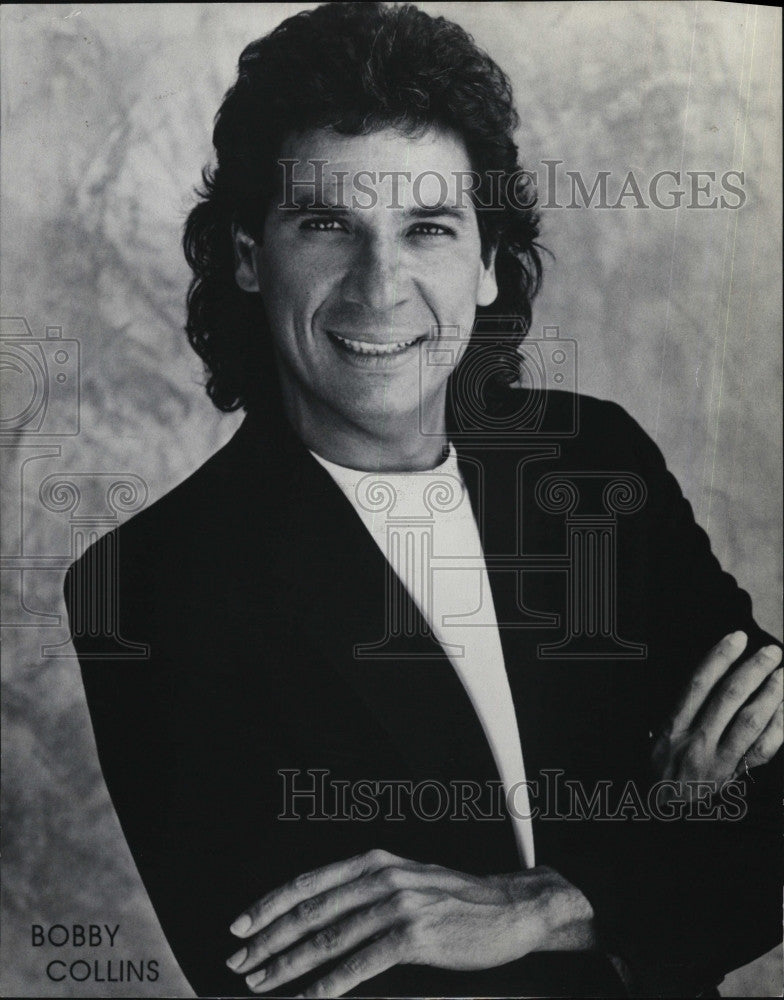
x,y
355,68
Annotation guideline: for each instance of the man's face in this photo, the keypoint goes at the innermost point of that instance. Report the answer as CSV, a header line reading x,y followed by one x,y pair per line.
x,y
355,291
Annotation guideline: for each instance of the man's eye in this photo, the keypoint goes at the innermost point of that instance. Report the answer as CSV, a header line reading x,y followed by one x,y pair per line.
x,y
322,225
431,229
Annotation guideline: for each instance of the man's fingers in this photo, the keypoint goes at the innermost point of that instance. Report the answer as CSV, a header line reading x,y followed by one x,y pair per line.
x,y
753,718
326,945
359,968
734,691
769,743
313,883
319,912
713,667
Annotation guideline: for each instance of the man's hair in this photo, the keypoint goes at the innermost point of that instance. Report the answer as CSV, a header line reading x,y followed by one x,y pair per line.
x,y
354,68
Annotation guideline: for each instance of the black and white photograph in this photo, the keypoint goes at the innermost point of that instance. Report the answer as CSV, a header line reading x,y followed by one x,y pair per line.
x,y
391,429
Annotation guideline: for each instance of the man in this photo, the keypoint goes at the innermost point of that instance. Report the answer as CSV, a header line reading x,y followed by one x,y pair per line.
x,y
402,570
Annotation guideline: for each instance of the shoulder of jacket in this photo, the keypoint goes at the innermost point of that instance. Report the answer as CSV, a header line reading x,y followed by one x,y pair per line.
x,y
553,410
153,531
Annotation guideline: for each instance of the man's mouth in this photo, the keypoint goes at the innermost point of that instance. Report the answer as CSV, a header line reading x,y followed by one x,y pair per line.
x,y
367,347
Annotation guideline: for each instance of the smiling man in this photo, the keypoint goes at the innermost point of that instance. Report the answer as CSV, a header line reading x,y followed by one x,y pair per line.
x,y
445,693
352,288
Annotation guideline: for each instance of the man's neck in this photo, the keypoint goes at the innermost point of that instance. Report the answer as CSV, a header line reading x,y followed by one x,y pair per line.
x,y
411,442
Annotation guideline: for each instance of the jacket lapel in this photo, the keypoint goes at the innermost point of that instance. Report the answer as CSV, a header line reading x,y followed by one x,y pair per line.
x,y
527,608
334,585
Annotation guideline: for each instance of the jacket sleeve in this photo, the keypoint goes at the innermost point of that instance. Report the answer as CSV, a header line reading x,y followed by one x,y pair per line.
x,y
684,902
182,844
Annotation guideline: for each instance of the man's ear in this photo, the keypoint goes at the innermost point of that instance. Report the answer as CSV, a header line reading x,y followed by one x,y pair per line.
x,y
487,292
244,259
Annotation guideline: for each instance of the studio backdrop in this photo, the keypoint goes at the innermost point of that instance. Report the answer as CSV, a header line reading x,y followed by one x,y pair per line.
x,y
654,132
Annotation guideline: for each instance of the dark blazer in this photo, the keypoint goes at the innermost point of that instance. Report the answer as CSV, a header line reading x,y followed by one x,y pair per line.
x,y
252,582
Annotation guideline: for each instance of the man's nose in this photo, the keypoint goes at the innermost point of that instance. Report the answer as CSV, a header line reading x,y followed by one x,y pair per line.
x,y
377,275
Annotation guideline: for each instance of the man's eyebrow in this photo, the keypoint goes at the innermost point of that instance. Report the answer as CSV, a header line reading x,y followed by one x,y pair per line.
x,y
429,212
305,202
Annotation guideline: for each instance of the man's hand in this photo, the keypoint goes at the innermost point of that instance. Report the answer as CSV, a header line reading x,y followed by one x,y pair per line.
x,y
377,910
726,721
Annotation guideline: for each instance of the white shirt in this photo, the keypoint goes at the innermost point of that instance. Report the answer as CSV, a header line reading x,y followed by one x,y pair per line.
x,y
424,525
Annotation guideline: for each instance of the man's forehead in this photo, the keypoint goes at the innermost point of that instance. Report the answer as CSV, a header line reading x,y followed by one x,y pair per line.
x,y
425,168
382,149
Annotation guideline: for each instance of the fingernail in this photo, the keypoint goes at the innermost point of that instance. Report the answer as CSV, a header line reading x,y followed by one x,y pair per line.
x,y
771,652
236,960
737,638
241,925
256,979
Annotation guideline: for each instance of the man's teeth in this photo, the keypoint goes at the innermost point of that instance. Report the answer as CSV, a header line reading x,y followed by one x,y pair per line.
x,y
363,347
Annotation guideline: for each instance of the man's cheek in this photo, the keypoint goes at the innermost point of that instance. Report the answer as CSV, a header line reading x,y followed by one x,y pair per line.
x,y
455,290
454,320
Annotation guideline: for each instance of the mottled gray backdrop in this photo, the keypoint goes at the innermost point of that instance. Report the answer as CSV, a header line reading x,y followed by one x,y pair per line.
x,y
107,115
